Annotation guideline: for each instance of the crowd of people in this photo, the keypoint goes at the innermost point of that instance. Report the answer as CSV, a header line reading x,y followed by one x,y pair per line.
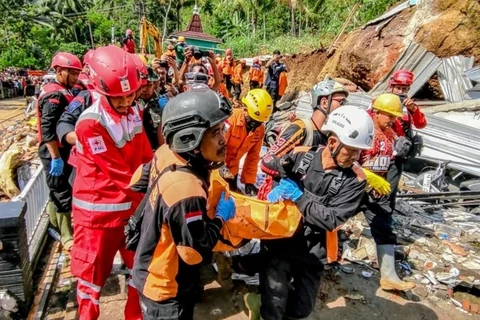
x,y
120,139
15,82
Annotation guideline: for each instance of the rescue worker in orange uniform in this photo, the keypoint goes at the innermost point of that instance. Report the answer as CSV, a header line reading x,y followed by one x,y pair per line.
x,y
377,209
245,133
227,68
256,74
238,79
52,102
327,188
171,51
177,235
111,145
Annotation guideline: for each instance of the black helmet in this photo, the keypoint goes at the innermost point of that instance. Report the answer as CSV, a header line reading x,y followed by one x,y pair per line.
x,y
152,75
187,116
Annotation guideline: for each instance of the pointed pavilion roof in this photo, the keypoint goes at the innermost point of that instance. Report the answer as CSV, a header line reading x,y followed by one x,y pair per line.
x,y
195,30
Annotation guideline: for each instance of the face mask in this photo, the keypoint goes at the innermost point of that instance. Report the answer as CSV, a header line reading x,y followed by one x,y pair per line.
x,y
402,97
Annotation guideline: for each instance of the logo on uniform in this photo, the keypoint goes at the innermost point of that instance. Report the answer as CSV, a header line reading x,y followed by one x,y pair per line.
x,y
97,145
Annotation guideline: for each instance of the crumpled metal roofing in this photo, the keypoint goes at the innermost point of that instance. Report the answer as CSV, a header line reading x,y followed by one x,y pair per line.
x,y
473,74
416,59
451,75
390,13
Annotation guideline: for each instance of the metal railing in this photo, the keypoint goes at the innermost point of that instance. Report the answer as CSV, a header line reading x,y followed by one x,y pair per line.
x,y
35,194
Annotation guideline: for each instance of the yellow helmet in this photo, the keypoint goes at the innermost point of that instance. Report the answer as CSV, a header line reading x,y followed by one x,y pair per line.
x,y
259,104
389,103
181,39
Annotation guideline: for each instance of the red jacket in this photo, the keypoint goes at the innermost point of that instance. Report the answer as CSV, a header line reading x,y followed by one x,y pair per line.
x,y
416,117
129,45
110,147
378,158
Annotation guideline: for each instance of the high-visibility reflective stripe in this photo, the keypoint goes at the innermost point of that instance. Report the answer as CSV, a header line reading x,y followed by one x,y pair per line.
x,y
130,283
86,296
92,286
104,207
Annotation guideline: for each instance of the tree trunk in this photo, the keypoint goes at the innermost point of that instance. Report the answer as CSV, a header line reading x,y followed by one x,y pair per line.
x,y
264,28
292,23
178,16
254,21
164,33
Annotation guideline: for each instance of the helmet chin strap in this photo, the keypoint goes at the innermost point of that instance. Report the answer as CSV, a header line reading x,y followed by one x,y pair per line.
x,y
329,105
199,159
335,152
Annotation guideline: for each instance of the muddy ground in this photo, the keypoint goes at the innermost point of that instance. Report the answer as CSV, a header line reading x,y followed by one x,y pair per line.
x,y
11,110
341,296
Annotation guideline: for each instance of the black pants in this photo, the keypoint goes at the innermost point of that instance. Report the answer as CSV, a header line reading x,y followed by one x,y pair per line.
x,y
171,309
228,82
237,90
254,85
379,216
60,188
282,298
273,91
393,176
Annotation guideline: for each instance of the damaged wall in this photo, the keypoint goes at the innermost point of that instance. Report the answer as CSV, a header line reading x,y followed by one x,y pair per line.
x,y
445,27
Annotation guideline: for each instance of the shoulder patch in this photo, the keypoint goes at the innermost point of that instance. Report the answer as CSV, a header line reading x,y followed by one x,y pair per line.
x,y
74,105
97,145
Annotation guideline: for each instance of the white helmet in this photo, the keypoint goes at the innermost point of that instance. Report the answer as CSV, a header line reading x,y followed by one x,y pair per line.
x,y
352,125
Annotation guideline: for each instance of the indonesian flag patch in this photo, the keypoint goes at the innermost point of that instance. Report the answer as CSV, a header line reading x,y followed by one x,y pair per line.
x,y
97,145
193,216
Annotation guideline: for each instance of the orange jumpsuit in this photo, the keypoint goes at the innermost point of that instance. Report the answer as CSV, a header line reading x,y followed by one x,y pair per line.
x,y
241,142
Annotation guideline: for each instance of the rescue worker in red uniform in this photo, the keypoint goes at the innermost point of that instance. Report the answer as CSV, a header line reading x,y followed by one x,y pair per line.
x,y
245,135
83,82
176,234
326,96
399,84
111,144
129,42
327,188
52,102
377,209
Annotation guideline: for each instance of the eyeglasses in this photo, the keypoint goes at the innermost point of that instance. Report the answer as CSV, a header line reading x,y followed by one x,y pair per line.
x,y
342,102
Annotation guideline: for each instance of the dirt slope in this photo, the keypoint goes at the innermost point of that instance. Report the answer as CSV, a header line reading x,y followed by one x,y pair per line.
x,y
445,27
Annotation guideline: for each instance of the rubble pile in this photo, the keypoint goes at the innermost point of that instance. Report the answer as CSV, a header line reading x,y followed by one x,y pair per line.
x,y
439,250
18,153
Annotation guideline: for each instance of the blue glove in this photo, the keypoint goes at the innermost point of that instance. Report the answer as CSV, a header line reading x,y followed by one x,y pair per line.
x,y
162,101
56,167
286,190
225,208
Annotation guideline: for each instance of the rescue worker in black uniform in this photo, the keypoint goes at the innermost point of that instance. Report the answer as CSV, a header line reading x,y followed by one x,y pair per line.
x,y
152,114
52,102
176,233
327,187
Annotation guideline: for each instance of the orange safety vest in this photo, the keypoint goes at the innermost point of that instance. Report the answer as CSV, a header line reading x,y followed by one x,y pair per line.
x,y
238,74
227,66
256,73
222,89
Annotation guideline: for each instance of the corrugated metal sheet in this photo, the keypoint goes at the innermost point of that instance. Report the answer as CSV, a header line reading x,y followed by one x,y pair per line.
x,y
416,59
473,74
360,99
451,74
390,13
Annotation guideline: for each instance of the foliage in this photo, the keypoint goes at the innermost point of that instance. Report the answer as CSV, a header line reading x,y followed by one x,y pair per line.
x,y
32,31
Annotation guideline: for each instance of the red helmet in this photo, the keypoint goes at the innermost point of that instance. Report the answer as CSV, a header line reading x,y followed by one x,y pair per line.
x,y
256,60
88,56
402,77
141,67
113,72
128,32
228,52
66,60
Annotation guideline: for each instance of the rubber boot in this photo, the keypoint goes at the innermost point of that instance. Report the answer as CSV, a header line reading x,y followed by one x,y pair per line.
x,y
65,225
52,214
389,279
253,303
